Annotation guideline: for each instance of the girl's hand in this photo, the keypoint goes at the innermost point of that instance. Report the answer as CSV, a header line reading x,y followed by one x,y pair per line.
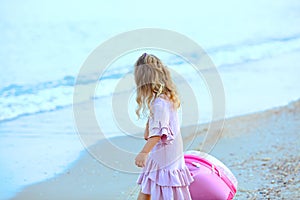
x,y
146,133
140,159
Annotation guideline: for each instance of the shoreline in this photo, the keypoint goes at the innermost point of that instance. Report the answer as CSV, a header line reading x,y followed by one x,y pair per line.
x,y
247,148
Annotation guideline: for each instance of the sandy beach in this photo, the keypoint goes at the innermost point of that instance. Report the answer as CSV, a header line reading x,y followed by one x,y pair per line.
x,y
261,149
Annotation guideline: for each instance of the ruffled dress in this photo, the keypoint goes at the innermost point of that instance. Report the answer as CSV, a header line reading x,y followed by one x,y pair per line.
x,y
165,175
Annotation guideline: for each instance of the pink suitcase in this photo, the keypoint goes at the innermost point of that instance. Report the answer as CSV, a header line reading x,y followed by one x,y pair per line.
x,y
212,179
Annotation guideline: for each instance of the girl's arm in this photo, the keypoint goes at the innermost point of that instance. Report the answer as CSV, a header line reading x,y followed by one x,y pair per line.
x,y
152,141
141,158
146,133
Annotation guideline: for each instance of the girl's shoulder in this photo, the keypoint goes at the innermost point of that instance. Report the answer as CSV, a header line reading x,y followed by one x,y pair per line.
x,y
162,100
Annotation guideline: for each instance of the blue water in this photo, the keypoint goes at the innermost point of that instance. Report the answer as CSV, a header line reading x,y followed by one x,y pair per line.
x,y
255,46
20,97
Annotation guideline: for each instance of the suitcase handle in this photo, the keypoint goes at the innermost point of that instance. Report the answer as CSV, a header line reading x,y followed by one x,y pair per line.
x,y
208,164
188,159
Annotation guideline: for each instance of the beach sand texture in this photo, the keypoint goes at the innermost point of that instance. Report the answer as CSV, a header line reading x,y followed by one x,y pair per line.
x,y
261,149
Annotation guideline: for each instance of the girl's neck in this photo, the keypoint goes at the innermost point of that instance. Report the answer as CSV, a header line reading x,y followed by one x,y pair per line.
x,y
163,96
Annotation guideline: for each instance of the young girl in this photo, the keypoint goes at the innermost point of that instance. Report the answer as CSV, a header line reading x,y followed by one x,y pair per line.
x,y
165,175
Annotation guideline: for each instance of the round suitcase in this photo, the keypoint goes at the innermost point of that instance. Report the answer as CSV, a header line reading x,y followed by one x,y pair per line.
x,y
212,179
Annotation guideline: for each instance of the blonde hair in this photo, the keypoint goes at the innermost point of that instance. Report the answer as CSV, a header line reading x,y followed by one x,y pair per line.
x,y
153,78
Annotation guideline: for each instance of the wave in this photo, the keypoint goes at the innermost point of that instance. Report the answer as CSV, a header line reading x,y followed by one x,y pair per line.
x,y
235,54
19,100
230,55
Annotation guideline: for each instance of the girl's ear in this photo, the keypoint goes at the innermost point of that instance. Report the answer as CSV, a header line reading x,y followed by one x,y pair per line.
x,y
157,88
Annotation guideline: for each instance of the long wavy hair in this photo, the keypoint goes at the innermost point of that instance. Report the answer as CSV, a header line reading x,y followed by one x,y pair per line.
x,y
153,78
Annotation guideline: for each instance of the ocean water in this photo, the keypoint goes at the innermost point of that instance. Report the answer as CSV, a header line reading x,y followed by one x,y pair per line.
x,y
255,47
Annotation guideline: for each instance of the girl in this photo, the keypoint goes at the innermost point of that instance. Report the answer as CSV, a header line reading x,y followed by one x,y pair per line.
x,y
165,175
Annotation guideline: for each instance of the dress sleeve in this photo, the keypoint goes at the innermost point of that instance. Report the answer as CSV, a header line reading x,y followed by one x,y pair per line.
x,y
159,123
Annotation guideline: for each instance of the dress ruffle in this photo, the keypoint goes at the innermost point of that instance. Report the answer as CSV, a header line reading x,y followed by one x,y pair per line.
x,y
164,177
159,128
166,192
159,123
165,184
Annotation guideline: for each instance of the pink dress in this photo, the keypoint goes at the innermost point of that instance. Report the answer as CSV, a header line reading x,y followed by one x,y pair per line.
x,y
165,175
